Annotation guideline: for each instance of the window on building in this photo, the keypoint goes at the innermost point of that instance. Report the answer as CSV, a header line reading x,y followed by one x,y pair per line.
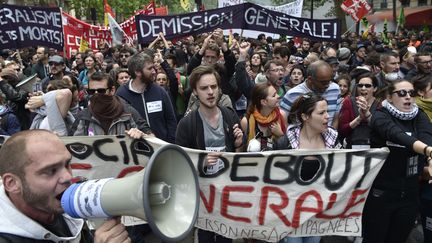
x,y
405,3
422,2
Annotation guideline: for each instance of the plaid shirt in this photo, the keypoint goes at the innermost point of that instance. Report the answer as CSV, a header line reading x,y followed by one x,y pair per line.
x,y
293,135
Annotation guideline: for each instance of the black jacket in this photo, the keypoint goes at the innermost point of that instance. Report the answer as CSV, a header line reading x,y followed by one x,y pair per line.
x,y
398,171
17,100
190,130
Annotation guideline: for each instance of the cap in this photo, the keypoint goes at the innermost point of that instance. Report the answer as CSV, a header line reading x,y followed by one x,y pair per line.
x,y
343,53
360,46
56,59
332,60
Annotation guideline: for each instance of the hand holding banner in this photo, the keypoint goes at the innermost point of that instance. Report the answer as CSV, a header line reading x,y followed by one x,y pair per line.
x,y
255,195
243,16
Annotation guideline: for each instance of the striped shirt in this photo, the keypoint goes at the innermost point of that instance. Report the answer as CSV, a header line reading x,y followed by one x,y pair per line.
x,y
332,95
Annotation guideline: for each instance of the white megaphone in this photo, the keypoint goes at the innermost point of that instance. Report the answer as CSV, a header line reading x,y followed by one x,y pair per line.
x,y
164,193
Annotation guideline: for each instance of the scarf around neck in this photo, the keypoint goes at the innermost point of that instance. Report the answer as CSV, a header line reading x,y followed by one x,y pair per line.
x,y
405,116
105,108
256,117
425,105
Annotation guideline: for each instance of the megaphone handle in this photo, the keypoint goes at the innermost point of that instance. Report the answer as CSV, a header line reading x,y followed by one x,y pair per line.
x,y
95,223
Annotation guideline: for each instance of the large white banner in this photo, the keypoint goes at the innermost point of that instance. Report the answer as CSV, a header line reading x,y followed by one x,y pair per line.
x,y
264,196
293,8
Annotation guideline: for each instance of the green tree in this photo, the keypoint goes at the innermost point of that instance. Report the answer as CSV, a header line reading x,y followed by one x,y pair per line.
x,y
123,9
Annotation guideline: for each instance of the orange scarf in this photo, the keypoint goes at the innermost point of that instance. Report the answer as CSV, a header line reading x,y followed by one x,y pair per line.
x,y
256,116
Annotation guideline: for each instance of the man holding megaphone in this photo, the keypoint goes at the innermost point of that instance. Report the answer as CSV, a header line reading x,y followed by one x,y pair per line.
x,y
35,170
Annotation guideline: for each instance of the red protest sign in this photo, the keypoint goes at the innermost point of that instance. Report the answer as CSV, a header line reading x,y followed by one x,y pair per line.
x,y
356,8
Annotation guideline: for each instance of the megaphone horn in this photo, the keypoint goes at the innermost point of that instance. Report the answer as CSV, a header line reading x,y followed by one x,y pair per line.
x,y
164,193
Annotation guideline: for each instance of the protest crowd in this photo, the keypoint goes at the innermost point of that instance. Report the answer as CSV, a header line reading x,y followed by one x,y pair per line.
x,y
221,93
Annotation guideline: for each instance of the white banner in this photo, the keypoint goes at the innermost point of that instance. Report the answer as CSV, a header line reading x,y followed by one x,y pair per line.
x,y
264,196
293,8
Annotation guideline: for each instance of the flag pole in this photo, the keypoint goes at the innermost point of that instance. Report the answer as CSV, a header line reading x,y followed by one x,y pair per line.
x,y
350,28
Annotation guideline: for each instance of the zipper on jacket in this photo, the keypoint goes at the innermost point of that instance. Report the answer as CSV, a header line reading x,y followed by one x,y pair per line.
x,y
145,109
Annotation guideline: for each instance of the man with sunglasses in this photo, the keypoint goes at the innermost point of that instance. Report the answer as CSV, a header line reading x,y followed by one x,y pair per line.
x,y
423,63
108,114
124,56
57,70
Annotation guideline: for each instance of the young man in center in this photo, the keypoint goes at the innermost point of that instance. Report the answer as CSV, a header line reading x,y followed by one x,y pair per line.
x,y
210,128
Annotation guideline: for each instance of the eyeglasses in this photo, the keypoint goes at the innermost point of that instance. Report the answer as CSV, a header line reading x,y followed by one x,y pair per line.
x,y
364,85
99,91
426,62
54,63
277,70
403,93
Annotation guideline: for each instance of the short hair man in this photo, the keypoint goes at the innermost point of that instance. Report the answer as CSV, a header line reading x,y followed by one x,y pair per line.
x,y
35,169
57,70
274,72
41,68
108,114
423,62
210,128
149,99
124,55
282,54
305,47
390,71
320,81
209,55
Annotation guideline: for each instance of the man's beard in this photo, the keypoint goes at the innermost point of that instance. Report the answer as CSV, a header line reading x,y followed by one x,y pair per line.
x,y
38,201
145,80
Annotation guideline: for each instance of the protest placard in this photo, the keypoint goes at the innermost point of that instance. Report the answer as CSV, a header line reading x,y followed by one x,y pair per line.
x,y
24,26
243,16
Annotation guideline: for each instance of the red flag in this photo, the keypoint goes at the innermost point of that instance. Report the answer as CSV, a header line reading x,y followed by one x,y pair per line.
x,y
356,8
150,8
162,11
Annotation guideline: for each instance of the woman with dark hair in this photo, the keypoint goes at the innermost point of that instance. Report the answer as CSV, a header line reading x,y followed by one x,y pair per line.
x,y
296,77
122,76
256,66
392,204
264,121
90,68
423,88
310,131
356,112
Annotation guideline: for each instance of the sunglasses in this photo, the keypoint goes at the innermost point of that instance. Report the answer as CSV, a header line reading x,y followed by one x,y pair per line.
x,y
403,93
54,63
364,85
99,91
